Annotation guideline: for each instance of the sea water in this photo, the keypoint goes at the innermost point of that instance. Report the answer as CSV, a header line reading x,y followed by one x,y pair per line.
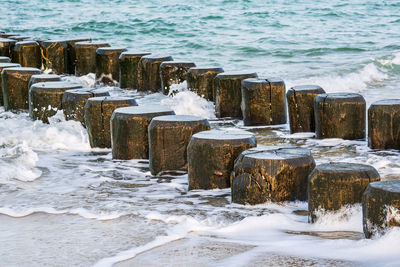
x,y
63,203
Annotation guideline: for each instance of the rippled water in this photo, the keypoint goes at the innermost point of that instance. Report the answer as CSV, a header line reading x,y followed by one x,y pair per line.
x,y
63,203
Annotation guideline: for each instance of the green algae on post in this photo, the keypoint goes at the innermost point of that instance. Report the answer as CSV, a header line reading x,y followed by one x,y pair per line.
x,y
129,130
169,137
201,81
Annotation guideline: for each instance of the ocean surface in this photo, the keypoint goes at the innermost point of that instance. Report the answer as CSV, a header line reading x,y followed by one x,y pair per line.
x,y
65,204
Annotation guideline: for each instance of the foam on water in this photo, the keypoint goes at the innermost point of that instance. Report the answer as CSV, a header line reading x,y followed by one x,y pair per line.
x,y
88,80
58,135
18,162
185,102
356,82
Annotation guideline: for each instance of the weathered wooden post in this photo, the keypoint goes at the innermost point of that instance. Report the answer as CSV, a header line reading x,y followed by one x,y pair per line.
x,y
27,54
71,52
98,111
173,72
169,137
5,60
73,102
40,78
263,101
3,66
384,124
381,207
201,81
300,100
45,99
15,87
128,69
149,72
107,64
129,130
6,47
228,96
211,157
340,115
333,185
86,57
55,55
271,174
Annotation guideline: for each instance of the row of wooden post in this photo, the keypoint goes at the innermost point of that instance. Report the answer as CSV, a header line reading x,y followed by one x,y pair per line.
x,y
213,158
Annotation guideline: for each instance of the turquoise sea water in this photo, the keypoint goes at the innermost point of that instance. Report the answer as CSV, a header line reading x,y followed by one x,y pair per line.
x,y
63,203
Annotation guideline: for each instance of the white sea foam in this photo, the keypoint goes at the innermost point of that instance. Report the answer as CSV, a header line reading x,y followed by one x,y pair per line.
x,y
185,102
88,81
354,82
23,212
19,162
395,60
59,134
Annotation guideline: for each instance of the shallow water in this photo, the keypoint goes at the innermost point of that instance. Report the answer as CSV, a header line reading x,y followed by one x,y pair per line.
x,y
63,203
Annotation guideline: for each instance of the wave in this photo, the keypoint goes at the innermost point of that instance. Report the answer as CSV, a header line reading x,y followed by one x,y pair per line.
x,y
84,213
